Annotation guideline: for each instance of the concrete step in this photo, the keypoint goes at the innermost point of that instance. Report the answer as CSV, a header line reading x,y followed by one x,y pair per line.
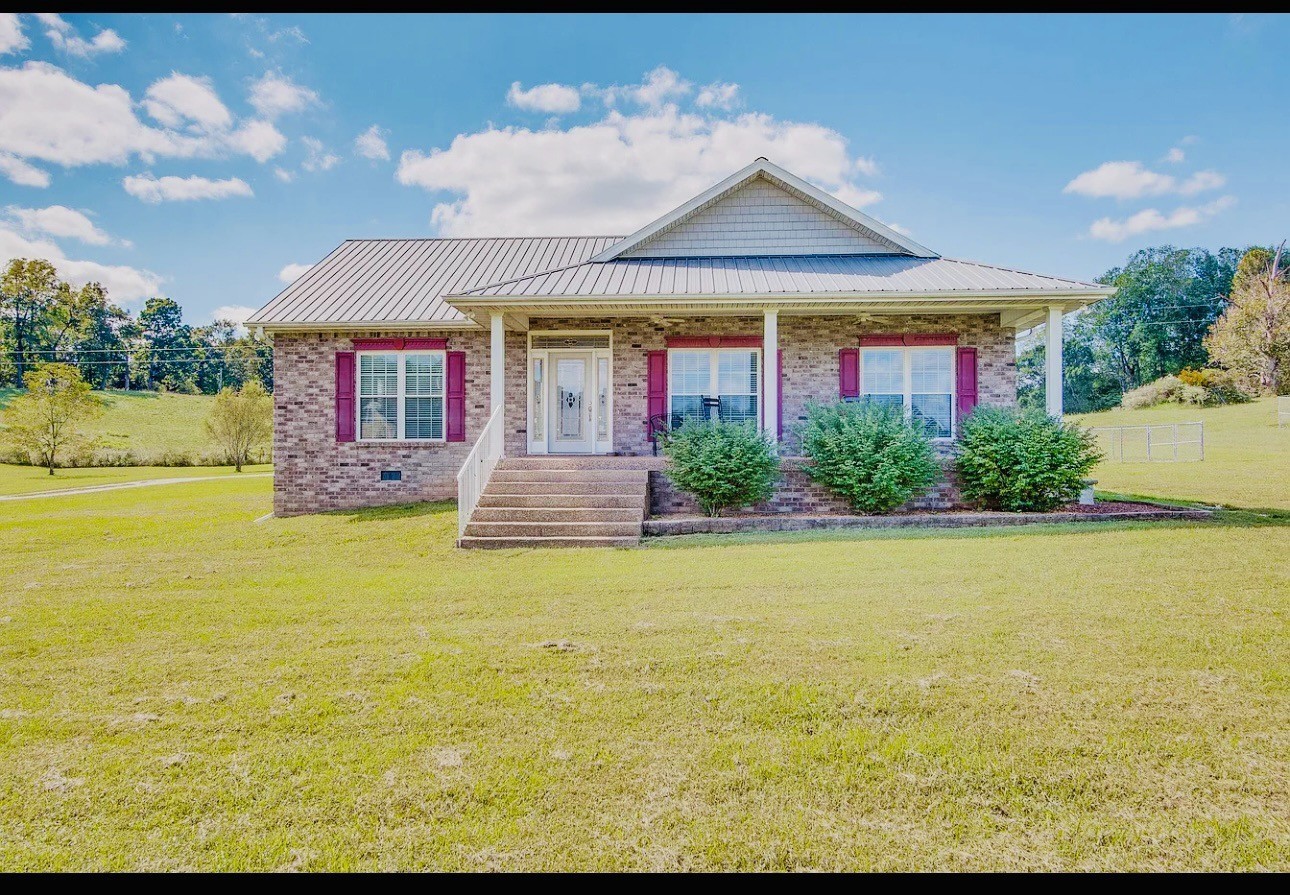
x,y
634,502
636,477
553,529
477,543
557,514
568,462
496,488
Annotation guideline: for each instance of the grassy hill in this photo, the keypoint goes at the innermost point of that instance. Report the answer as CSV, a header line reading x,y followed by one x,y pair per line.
x,y
1247,457
149,424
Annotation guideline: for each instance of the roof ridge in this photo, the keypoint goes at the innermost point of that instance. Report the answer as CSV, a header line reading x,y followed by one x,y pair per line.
x,y
527,276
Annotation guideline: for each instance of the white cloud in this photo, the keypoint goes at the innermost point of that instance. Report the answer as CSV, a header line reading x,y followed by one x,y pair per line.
x,y
12,40
553,98
276,94
1175,155
124,284
293,272
718,96
98,125
317,156
22,173
1150,219
659,87
284,175
64,37
616,174
235,314
183,189
179,99
1132,180
58,221
371,144
258,139
903,231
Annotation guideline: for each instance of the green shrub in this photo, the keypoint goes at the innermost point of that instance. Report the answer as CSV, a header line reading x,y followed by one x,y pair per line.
x,y
722,465
1023,460
869,454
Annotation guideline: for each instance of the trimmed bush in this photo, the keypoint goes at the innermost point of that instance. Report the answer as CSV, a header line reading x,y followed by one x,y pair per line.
x,y
1023,460
868,454
722,465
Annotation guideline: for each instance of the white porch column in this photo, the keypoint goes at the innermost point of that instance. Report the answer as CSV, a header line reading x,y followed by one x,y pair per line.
x,y
497,376
770,375
1053,358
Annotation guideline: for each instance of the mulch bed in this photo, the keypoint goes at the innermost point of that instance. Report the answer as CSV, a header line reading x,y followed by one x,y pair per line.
x,y
1102,511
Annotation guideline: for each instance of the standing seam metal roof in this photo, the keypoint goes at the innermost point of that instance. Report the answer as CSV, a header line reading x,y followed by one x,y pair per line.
x,y
404,280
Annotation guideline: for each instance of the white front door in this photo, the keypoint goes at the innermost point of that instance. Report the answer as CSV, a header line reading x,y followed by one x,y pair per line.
x,y
571,408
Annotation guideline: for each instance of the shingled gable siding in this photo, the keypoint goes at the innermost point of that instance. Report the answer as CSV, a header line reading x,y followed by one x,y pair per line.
x,y
313,472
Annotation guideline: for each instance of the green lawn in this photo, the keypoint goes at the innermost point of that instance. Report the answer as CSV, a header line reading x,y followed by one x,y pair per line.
x,y
1247,457
30,479
183,688
149,423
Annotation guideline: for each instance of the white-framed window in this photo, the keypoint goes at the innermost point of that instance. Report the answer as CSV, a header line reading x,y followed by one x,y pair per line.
x,y
401,395
919,380
729,376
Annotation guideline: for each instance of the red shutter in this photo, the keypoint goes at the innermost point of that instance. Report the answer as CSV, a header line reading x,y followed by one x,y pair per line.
x,y
655,387
345,410
456,393
966,381
849,373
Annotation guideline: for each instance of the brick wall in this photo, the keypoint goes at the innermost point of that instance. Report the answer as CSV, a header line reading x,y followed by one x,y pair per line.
x,y
314,472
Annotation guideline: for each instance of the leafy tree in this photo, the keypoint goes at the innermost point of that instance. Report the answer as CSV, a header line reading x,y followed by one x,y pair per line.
x,y
45,422
167,345
28,290
1252,338
241,420
1086,387
1156,323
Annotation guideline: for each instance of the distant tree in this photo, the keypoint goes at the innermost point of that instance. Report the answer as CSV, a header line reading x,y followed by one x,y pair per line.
x,y
167,350
28,290
241,420
45,422
1252,338
1086,387
1156,323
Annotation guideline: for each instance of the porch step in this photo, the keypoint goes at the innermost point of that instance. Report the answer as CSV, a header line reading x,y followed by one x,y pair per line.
x,y
557,514
561,502
553,529
634,502
511,543
566,487
588,462
620,476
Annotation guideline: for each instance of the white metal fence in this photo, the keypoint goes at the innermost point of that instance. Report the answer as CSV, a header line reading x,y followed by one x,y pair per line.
x,y
478,469
1161,443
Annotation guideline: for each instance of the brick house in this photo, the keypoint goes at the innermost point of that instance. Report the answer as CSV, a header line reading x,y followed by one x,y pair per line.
x,y
421,369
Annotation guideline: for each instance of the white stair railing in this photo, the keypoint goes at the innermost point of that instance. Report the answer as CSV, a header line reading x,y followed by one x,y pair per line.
x,y
478,469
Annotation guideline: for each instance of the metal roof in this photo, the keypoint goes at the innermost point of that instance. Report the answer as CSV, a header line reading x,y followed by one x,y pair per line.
x,y
780,275
401,281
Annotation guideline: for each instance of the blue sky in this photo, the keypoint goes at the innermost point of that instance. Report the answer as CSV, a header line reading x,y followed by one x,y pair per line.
x,y
209,158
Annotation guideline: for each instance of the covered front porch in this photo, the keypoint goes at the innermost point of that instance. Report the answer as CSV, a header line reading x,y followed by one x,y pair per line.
x,y
606,384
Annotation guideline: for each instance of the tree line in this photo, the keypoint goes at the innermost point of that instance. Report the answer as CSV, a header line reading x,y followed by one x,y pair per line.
x,y
1175,309
45,320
